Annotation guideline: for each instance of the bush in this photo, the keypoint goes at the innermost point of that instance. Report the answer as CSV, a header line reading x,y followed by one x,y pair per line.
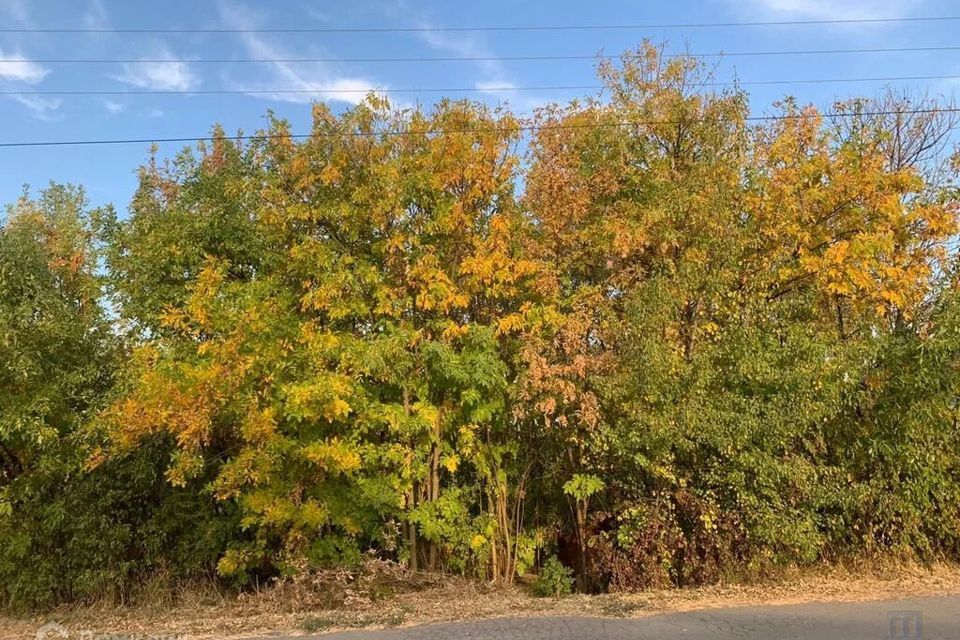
x,y
555,580
75,536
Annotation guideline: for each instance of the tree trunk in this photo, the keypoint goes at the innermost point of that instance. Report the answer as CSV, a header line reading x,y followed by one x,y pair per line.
x,y
411,496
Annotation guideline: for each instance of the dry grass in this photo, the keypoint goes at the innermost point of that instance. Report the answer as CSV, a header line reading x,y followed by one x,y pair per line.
x,y
387,596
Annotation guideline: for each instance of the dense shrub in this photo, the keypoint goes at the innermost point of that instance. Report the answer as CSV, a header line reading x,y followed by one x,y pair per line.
x,y
106,534
554,580
67,532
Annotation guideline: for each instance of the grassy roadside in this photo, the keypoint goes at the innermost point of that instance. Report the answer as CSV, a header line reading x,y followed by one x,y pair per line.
x,y
342,601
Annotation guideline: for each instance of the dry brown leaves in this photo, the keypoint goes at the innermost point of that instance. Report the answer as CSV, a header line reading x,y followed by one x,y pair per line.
x,y
385,595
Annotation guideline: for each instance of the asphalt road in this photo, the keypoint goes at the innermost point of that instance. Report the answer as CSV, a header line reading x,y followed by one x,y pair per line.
x,y
915,619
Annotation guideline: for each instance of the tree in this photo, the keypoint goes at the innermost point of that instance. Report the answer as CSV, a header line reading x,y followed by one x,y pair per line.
x,y
355,366
55,343
67,533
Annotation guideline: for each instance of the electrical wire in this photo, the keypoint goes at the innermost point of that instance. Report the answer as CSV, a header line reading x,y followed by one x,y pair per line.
x,y
485,89
505,28
516,129
537,58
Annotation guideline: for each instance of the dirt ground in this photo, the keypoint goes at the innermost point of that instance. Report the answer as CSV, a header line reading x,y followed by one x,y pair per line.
x,y
343,601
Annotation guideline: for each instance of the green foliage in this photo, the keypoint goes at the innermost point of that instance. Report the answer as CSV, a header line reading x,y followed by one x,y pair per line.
x,y
74,536
554,581
55,344
671,351
67,533
582,486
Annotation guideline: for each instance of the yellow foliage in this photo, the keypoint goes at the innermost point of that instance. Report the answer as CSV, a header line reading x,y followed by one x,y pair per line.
x,y
450,462
333,456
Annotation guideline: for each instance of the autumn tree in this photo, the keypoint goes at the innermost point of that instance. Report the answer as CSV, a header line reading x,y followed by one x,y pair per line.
x,y
637,198
67,533
351,373
54,337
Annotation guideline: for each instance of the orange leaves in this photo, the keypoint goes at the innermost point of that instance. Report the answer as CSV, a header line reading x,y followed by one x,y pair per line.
x,y
453,331
831,211
434,289
180,401
194,317
330,175
935,221
259,425
644,189
559,363
494,270
469,151
510,323
563,187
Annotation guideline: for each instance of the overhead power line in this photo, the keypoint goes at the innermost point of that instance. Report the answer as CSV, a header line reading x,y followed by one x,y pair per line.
x,y
547,57
282,91
517,129
483,89
568,27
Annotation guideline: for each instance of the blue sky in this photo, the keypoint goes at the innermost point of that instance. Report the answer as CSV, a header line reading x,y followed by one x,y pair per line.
x,y
108,172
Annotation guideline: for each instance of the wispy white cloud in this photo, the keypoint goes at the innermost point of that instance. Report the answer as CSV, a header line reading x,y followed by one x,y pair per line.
x,y
499,89
114,108
175,75
495,80
41,107
95,16
830,9
16,67
488,86
316,14
466,46
315,81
